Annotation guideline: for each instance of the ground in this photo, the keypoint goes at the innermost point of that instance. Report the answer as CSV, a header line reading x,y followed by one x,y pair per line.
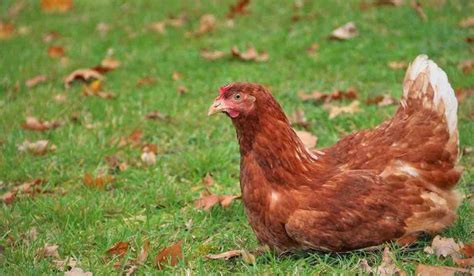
x,y
156,202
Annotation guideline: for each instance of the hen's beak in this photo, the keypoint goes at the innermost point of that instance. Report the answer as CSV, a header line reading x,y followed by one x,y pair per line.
x,y
217,106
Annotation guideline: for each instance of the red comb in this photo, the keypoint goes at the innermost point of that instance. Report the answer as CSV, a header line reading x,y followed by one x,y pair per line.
x,y
223,89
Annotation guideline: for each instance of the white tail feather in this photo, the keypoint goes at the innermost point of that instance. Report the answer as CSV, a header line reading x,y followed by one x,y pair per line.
x,y
442,89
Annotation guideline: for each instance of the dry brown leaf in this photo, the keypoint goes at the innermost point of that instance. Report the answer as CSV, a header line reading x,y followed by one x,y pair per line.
x,y
386,268
176,76
102,28
335,111
313,49
182,90
115,164
382,100
350,94
156,115
240,8
466,66
40,147
9,197
467,22
48,251
427,270
444,247
250,54
6,30
35,81
50,36
32,123
226,200
346,31
394,3
146,81
76,271
207,23
308,139
207,180
148,158
159,27
143,255
120,249
170,255
56,5
398,65
98,181
468,249
109,64
297,118
225,255
416,5
56,51
207,202
212,55
464,262
66,264
82,74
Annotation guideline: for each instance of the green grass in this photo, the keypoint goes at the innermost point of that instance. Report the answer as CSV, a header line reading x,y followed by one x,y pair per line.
x,y
85,222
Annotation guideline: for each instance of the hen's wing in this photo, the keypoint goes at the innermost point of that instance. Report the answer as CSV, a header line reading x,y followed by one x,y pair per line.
x,y
355,209
421,140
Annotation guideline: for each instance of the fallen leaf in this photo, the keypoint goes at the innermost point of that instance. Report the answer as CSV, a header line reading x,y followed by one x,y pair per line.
x,y
444,247
6,30
250,54
335,111
40,147
350,94
382,100
170,255
143,255
56,5
297,118
240,8
82,74
308,139
50,36
398,65
464,262
66,264
207,202
76,271
394,3
8,197
468,249
176,76
212,55
32,123
158,27
207,180
148,158
427,270
466,66
312,50
106,65
56,51
467,22
347,31
102,28
146,81
207,23
416,5
115,164
35,81
32,234
156,115
226,200
182,90
120,249
98,181
225,255
48,251
386,268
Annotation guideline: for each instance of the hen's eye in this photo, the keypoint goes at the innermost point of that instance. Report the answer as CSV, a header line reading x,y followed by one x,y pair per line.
x,y
237,96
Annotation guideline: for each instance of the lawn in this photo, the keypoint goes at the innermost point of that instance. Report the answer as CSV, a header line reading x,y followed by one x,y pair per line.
x,y
155,202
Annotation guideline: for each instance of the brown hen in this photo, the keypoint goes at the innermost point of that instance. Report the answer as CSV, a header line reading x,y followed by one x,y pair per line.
x,y
392,182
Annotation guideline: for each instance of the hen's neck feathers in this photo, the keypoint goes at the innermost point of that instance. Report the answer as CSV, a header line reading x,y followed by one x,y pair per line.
x,y
267,140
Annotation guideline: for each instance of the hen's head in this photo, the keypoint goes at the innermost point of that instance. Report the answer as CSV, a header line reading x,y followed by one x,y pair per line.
x,y
240,100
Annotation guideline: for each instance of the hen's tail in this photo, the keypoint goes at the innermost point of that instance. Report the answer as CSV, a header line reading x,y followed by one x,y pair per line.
x,y
428,84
